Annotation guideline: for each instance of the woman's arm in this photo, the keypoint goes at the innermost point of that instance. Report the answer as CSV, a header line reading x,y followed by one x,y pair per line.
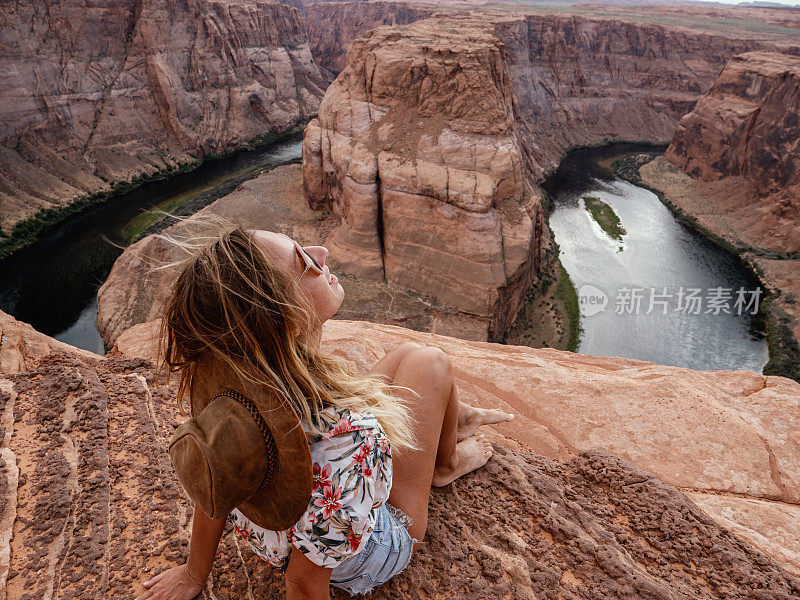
x,y
306,580
186,581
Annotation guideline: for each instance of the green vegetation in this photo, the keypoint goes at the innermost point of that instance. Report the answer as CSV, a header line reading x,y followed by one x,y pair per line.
x,y
554,287
566,294
605,216
28,231
784,351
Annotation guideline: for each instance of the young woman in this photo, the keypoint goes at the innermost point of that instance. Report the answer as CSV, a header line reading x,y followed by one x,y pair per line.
x,y
253,303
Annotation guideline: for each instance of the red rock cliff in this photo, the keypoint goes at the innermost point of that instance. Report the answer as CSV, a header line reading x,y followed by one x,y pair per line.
x,y
582,81
577,80
748,126
333,26
97,92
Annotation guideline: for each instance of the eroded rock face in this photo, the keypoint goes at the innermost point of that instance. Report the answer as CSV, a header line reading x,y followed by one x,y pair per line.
x,y
98,92
333,26
583,81
725,437
89,493
415,152
577,80
21,346
747,126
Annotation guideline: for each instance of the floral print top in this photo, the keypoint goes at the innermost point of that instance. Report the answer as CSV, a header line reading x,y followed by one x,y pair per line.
x,y
352,464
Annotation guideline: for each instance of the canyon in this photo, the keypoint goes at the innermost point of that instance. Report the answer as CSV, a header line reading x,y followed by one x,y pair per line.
x,y
446,124
617,478
98,93
612,480
733,169
483,104
415,152
746,130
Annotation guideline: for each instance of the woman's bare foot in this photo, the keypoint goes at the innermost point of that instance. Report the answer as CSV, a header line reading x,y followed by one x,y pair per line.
x,y
470,418
471,453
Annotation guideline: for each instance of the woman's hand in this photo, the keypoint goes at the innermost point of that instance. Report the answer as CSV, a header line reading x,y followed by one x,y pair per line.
x,y
186,581
173,584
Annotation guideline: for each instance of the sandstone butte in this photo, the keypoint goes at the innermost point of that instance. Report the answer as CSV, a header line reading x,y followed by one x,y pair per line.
x,y
734,167
618,478
415,151
95,93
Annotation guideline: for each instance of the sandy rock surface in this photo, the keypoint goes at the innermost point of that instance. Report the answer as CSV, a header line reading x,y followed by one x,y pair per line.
x,y
91,508
726,436
21,346
99,92
747,127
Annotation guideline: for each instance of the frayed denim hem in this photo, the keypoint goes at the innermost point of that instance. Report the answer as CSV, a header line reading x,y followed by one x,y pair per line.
x,y
361,582
377,585
401,517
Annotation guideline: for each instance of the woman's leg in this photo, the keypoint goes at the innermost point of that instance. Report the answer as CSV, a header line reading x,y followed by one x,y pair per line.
x,y
441,458
391,361
469,417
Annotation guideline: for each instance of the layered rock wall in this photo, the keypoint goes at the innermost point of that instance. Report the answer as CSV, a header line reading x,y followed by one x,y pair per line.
x,y
415,151
748,126
332,27
580,81
99,92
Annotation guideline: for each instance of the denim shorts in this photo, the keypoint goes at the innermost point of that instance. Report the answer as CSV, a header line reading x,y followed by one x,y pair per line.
x,y
386,553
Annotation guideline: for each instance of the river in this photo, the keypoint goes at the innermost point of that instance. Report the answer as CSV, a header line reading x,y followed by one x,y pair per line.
x,y
649,286
52,284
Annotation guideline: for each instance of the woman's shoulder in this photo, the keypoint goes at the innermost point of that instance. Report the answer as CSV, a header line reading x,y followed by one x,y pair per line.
x,y
340,420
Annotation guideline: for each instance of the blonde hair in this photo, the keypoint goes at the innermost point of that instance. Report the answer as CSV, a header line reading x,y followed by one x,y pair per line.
x,y
232,303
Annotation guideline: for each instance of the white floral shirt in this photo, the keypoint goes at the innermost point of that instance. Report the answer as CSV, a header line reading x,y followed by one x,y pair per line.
x,y
352,464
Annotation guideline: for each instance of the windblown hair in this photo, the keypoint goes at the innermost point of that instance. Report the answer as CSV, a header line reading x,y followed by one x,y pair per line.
x,y
232,303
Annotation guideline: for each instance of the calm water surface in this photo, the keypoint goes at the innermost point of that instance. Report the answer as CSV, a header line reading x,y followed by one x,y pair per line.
x,y
52,284
659,256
